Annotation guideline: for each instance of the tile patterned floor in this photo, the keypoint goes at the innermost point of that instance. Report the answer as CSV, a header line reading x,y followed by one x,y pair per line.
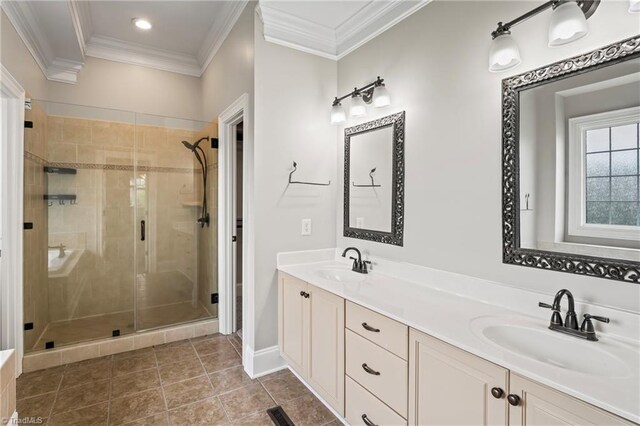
x,y
191,382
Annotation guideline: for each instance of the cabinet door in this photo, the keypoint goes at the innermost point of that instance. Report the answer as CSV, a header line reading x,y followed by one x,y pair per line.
x,y
543,406
448,386
326,353
293,322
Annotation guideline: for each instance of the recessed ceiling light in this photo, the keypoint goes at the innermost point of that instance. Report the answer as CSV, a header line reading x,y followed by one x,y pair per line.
x,y
143,24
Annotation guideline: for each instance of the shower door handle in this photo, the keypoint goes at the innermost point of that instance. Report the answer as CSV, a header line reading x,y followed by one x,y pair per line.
x,y
143,231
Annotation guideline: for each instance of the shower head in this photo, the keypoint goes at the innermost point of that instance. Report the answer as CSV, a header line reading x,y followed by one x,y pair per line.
x,y
189,146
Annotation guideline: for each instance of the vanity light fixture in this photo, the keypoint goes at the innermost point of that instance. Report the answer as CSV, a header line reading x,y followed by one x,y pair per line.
x,y
143,24
634,6
375,92
568,23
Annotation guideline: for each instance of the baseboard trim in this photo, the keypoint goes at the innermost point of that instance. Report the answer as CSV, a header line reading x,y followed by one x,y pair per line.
x,y
262,362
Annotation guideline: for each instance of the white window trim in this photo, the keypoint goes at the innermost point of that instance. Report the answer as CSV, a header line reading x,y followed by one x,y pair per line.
x,y
578,127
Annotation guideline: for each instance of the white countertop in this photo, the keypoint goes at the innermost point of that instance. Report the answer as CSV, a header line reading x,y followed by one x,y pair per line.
x,y
453,317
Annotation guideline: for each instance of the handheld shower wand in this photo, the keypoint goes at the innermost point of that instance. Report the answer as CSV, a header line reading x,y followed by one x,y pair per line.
x,y
202,159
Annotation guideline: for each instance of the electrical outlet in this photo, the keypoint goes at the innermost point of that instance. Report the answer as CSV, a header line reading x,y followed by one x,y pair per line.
x,y
306,227
360,222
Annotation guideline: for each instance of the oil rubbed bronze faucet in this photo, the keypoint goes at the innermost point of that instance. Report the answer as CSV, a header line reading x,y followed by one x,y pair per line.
x,y
570,324
359,265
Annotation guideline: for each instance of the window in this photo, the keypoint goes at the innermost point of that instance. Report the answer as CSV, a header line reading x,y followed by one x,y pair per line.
x,y
604,175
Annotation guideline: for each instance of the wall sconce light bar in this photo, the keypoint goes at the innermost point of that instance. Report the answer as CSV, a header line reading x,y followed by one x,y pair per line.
x,y
365,91
374,92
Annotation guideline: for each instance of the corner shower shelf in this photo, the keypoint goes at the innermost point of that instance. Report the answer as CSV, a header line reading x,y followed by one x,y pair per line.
x,y
192,203
61,198
60,170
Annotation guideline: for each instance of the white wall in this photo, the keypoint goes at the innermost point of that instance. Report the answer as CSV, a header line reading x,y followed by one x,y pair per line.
x,y
230,73
435,67
293,93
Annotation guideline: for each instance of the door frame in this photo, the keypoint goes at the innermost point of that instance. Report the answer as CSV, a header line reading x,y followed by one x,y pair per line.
x,y
238,111
11,216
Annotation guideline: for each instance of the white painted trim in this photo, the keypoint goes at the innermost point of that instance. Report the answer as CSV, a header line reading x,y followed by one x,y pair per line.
x,y
219,32
113,49
577,223
238,111
11,181
264,361
28,27
335,43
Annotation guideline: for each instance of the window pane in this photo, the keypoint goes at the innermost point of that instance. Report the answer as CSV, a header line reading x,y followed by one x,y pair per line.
x,y
624,188
598,213
623,137
624,162
598,164
598,189
624,214
598,140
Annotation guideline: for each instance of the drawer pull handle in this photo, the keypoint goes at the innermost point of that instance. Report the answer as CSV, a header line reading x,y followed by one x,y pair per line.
x,y
369,328
513,400
369,370
367,422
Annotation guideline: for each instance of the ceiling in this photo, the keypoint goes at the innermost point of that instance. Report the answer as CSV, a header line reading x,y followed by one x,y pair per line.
x,y
186,34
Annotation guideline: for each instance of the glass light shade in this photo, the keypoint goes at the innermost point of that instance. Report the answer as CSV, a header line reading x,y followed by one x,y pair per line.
x,y
337,114
381,97
634,6
358,107
503,53
568,24
143,24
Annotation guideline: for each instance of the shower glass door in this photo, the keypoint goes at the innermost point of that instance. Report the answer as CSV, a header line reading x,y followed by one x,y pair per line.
x,y
172,279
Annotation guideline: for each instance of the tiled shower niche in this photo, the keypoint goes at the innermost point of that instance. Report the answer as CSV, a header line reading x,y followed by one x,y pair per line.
x,y
93,179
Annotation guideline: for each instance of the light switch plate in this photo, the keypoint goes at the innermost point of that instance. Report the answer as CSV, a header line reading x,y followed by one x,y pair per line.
x,y
306,227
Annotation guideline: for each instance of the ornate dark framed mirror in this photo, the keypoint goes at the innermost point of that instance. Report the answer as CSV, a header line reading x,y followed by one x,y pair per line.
x,y
571,164
374,180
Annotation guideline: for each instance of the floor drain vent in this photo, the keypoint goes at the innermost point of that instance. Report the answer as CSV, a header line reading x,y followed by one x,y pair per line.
x,y
279,417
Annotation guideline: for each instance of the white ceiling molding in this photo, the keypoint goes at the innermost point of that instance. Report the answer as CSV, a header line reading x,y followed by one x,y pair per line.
x,y
373,19
139,54
219,31
291,31
27,24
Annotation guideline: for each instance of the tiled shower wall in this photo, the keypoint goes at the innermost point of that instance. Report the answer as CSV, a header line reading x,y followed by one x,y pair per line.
x,y
36,308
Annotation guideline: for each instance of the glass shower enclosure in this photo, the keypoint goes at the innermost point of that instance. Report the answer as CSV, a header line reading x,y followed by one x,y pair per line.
x,y
115,246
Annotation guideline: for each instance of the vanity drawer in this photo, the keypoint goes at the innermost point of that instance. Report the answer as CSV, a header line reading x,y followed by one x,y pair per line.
x,y
391,335
361,403
379,371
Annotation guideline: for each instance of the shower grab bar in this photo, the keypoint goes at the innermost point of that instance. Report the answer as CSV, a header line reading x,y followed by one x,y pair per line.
x,y
142,230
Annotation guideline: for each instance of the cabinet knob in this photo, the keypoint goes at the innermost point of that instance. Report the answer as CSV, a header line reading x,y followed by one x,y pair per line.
x,y
366,421
497,392
513,400
302,293
306,295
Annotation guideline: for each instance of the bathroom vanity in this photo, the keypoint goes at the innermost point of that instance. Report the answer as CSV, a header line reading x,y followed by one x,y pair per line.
x,y
395,347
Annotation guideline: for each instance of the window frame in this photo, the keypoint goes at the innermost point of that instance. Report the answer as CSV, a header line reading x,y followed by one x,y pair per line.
x,y
576,206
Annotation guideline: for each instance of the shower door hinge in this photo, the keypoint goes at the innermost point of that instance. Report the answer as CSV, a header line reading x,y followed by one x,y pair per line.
x,y
28,124
115,333
214,298
27,103
214,143
28,225
28,326
49,345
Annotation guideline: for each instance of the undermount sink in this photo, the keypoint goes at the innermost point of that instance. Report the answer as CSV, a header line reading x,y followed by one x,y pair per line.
x,y
342,275
536,342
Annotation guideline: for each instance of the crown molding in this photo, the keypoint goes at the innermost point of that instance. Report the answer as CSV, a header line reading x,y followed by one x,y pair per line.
x,y
28,27
290,31
371,21
138,54
335,43
82,24
219,32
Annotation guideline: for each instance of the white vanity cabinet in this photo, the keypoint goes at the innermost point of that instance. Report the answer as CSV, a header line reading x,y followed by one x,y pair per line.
x,y
311,336
448,386
540,405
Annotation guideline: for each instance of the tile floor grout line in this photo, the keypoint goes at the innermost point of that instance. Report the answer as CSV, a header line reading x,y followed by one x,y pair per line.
x,y
113,367
224,410
164,397
55,398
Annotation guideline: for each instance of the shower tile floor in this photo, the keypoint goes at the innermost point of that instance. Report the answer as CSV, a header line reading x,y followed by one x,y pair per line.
x,y
191,382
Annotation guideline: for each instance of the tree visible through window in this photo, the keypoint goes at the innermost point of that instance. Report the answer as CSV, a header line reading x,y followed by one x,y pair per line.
x,y
612,173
